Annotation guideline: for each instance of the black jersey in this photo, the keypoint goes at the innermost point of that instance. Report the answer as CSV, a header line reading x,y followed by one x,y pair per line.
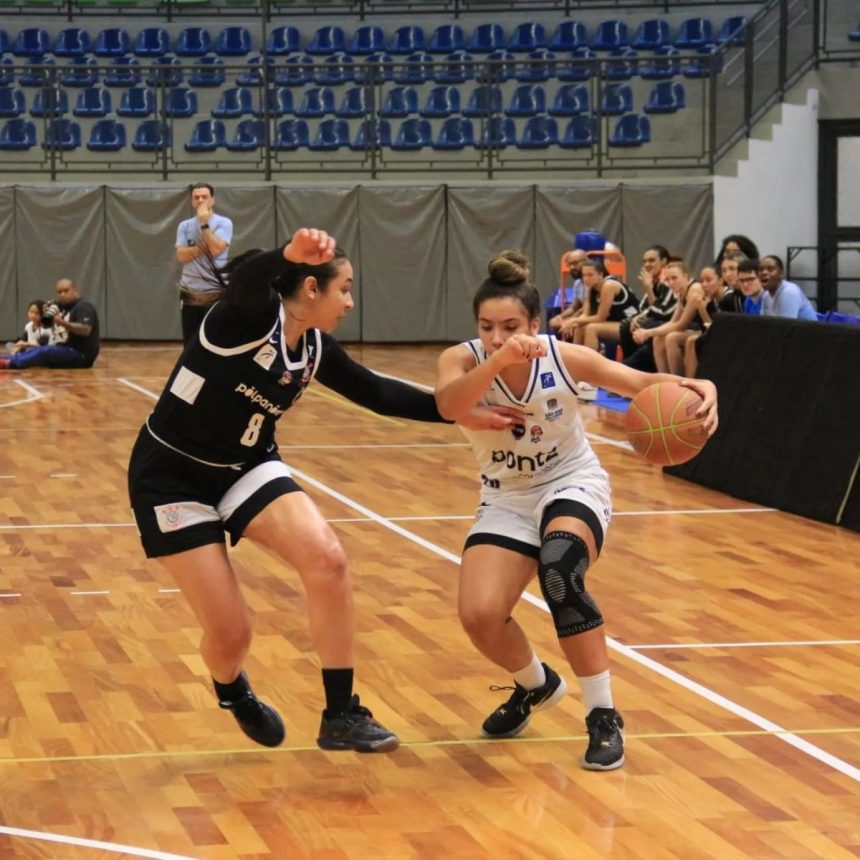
x,y
237,376
623,305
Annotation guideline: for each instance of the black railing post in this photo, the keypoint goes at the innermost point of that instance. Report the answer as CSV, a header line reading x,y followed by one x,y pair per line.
x,y
782,73
711,119
749,74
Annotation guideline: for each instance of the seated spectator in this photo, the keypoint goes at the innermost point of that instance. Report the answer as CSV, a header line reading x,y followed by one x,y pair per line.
x,y
608,302
77,335
748,281
782,298
572,263
691,312
40,329
655,308
732,297
736,244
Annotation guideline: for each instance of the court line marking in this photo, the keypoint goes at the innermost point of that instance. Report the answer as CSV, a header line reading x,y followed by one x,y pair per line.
x,y
670,674
113,847
33,394
781,644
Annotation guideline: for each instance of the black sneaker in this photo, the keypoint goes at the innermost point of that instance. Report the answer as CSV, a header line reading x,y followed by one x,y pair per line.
x,y
260,722
605,740
355,729
511,718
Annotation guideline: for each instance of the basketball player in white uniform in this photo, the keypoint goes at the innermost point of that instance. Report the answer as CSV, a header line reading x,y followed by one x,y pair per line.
x,y
545,501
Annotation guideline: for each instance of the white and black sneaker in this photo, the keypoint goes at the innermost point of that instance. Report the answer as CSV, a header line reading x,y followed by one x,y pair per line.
x,y
605,740
510,719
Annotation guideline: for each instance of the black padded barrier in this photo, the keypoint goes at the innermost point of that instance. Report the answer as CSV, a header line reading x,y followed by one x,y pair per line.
x,y
789,401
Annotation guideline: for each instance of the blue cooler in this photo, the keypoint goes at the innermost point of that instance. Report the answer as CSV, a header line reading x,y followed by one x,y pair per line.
x,y
589,240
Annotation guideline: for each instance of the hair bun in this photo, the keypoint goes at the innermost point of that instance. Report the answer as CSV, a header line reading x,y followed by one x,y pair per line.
x,y
509,268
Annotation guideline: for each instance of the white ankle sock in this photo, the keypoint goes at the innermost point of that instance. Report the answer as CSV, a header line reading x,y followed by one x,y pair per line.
x,y
532,676
596,691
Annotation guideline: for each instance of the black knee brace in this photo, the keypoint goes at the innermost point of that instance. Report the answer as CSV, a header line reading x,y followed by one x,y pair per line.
x,y
561,572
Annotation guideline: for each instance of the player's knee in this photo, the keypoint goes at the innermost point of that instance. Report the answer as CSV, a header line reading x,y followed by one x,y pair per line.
x,y
563,563
232,638
480,620
330,567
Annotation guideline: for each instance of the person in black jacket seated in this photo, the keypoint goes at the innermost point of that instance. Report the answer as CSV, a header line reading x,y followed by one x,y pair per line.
x,y
206,462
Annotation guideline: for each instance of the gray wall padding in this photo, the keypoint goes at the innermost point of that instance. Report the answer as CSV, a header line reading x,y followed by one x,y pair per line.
x,y
419,252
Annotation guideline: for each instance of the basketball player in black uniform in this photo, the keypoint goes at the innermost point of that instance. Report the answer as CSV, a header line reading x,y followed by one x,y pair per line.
x,y
206,462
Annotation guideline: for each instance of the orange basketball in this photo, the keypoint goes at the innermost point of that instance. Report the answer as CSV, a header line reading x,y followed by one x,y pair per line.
x,y
662,426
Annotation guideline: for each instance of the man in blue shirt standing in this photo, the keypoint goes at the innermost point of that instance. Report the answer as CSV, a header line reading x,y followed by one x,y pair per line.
x,y
782,298
204,236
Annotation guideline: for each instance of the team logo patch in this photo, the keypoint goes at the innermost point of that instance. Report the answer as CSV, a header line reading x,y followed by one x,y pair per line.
x,y
265,356
286,378
170,517
553,411
518,431
536,433
547,380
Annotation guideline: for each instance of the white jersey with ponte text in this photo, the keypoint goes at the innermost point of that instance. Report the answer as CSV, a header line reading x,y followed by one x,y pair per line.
x,y
552,444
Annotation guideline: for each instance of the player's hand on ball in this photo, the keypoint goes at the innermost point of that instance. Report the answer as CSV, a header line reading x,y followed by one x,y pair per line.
x,y
708,410
482,417
311,246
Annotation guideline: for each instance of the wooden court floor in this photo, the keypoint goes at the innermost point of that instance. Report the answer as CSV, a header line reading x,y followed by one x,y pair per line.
x,y
734,635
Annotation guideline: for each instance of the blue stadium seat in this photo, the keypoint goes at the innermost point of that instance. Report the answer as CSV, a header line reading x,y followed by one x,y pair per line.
x,y
317,101
580,66
283,41
207,72
376,68
152,42
486,38
570,100
417,69
72,42
62,135
367,40
107,135
694,33
18,134
527,37
295,71
622,65
332,134
500,67
7,72
581,133
35,75
731,32
250,134
610,35
666,97
441,101
93,102
252,76
854,35
527,100
290,135
181,102
337,69
123,72
633,129
705,64
137,101
446,39
485,101
50,102
651,34
372,136
166,71
456,69
280,103
327,40
81,72
456,133
352,104
152,135
540,132
568,36
616,100
32,42
538,68
843,319
207,135
112,42
11,102
406,40
499,133
661,65
193,42
233,42
234,102
399,102
414,134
